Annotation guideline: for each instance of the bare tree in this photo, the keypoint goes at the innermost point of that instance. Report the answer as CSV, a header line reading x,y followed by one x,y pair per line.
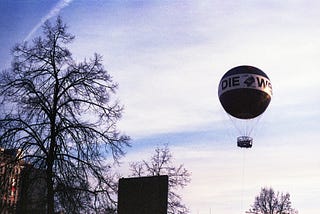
x,y
269,202
161,163
62,115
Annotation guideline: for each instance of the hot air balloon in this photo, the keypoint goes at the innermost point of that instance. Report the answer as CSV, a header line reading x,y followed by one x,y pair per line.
x,y
245,93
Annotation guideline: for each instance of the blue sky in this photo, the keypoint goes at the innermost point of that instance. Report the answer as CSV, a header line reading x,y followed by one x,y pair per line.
x,y
168,58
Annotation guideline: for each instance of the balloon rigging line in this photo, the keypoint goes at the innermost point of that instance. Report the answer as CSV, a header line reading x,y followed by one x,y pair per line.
x,y
233,120
243,177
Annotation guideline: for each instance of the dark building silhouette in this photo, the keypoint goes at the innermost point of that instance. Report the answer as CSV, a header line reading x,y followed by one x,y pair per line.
x,y
22,187
143,195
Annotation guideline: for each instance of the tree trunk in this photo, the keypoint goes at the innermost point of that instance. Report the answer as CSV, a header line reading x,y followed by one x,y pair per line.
x,y
50,193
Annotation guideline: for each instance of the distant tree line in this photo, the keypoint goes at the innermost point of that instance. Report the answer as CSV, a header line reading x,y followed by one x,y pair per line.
x,y
271,202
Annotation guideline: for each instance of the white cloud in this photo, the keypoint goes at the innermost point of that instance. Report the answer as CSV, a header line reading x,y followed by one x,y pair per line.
x,y
168,65
168,69
168,59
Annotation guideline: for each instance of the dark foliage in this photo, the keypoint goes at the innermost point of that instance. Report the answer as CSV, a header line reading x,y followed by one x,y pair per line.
x,y
63,117
161,163
269,202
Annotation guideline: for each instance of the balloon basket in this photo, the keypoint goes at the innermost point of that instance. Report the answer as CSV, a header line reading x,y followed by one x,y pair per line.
x,y
244,142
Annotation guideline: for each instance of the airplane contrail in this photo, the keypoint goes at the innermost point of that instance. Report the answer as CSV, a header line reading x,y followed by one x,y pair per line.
x,y
53,12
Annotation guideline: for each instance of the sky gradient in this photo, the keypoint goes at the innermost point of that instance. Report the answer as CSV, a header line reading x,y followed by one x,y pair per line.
x,y
168,58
